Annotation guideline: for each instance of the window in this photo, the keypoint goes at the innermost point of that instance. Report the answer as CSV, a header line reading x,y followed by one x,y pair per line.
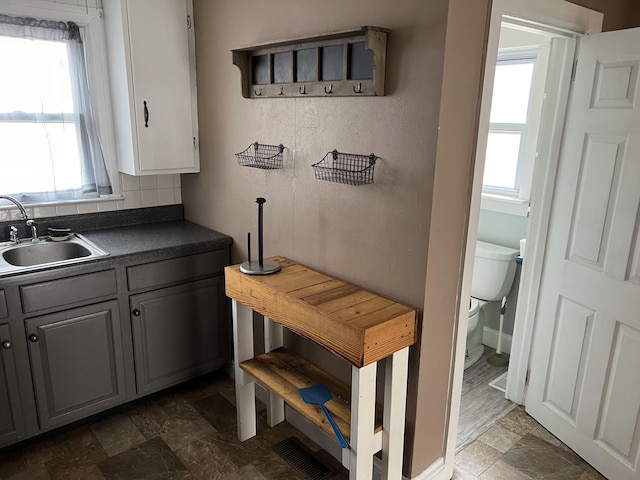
x,y
508,123
50,147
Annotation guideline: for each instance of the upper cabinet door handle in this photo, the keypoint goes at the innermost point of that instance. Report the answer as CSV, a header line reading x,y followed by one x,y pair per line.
x,y
146,115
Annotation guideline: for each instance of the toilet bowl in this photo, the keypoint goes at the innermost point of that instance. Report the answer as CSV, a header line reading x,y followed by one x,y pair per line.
x,y
475,329
493,272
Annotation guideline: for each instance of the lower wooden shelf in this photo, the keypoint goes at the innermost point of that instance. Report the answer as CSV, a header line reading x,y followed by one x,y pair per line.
x,y
283,372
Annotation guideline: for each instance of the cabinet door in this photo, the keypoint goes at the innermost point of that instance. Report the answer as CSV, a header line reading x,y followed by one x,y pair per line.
x,y
11,422
159,37
77,362
178,333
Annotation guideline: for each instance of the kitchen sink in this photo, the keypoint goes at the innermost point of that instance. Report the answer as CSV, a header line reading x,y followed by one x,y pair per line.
x,y
28,256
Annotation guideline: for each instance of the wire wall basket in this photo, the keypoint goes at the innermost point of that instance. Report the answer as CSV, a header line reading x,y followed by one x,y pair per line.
x,y
256,155
347,168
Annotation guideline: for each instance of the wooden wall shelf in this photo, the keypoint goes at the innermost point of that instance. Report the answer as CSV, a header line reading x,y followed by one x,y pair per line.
x,y
346,63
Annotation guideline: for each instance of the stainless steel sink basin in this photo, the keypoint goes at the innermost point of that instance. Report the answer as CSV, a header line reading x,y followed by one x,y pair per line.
x,y
27,256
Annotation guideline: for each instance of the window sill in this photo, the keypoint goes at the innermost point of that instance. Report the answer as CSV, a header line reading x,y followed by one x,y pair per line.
x,y
503,204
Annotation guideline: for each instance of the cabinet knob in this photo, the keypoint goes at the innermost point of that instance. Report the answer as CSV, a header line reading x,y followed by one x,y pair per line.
x,y
7,345
33,338
136,312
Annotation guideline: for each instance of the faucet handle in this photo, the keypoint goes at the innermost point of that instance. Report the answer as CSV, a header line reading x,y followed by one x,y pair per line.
x,y
13,234
34,231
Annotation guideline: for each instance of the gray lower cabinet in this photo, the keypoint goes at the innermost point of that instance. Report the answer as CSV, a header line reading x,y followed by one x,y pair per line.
x,y
77,362
11,419
69,350
178,333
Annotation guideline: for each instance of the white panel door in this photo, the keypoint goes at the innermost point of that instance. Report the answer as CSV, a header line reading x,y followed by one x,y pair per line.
x,y
585,364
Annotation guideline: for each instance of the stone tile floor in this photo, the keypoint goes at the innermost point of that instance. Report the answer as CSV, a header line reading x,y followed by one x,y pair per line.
x,y
189,433
518,448
185,433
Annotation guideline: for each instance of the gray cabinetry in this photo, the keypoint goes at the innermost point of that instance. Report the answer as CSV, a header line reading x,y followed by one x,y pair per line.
x,y
77,362
178,333
11,422
78,340
4,313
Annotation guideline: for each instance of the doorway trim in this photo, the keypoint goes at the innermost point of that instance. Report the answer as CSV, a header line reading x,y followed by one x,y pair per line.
x,y
564,18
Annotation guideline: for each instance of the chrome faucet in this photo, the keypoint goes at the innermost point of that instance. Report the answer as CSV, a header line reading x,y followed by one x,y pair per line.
x,y
24,216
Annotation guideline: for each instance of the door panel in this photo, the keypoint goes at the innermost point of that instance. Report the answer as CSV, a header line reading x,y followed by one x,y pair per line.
x,y
621,396
585,355
11,422
596,194
160,59
178,333
77,362
574,324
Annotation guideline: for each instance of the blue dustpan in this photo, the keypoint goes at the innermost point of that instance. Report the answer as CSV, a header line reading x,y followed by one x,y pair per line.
x,y
318,395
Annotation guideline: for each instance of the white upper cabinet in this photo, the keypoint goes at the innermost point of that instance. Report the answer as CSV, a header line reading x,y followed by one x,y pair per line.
x,y
151,50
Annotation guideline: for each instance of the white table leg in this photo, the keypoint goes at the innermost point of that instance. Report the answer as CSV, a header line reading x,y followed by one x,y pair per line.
x,y
395,405
363,411
245,384
273,338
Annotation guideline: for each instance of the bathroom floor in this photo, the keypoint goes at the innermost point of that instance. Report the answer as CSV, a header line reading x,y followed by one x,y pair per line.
x,y
498,440
481,405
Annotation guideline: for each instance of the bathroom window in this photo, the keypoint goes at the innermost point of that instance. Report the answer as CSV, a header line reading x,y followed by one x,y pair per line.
x,y
505,175
50,147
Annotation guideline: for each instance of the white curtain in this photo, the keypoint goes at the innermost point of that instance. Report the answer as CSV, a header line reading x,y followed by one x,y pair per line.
x,y
49,145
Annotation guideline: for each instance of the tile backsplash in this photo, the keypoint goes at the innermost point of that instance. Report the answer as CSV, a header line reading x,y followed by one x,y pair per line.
x,y
82,3
137,192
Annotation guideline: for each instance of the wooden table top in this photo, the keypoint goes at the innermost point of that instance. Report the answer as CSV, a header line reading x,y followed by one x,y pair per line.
x,y
357,325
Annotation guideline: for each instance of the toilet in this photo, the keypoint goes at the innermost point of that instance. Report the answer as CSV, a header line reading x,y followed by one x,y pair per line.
x,y
493,271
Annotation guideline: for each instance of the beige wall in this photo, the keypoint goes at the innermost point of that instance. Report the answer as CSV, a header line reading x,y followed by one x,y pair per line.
x,y
373,235
463,68
618,14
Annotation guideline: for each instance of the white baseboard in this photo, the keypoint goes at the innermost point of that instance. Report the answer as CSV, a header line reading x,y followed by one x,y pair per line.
x,y
490,339
436,471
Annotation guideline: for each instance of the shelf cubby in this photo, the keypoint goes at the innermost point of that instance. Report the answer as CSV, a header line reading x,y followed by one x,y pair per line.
x,y
346,63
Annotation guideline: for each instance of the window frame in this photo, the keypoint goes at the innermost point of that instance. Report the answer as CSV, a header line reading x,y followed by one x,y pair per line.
x,y
514,57
504,201
91,23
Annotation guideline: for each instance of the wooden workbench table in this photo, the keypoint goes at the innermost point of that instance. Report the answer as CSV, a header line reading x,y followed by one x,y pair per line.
x,y
354,324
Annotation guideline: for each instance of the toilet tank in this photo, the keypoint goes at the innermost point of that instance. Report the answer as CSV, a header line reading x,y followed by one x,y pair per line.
x,y
493,271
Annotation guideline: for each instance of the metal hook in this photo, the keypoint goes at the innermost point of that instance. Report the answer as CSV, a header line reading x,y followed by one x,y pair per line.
x,y
330,88
357,88
281,90
302,89
258,91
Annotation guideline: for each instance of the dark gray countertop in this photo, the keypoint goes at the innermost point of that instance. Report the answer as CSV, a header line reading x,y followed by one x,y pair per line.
x,y
163,237
133,235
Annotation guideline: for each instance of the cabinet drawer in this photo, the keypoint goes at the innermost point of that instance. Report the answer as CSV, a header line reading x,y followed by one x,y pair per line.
x,y
4,311
177,269
68,291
